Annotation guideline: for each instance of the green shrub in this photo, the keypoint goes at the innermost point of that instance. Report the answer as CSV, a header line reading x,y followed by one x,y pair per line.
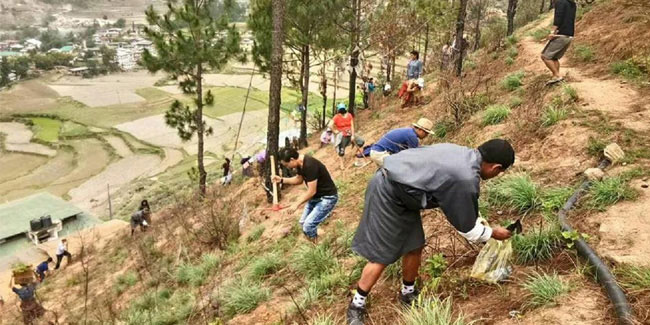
x,y
608,191
431,311
509,61
553,199
633,277
435,265
256,233
243,297
536,245
512,52
492,33
512,40
513,81
515,191
552,115
540,34
544,289
584,53
265,265
313,260
515,101
495,114
595,146
626,69
125,281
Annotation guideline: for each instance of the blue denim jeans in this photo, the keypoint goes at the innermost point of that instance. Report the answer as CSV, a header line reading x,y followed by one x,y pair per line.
x,y
316,211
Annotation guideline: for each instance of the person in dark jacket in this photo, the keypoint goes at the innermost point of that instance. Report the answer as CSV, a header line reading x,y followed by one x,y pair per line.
x,y
43,269
444,175
560,37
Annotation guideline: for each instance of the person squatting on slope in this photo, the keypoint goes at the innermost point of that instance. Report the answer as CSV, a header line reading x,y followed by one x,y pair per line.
x,y
399,139
43,269
410,92
560,37
444,175
321,195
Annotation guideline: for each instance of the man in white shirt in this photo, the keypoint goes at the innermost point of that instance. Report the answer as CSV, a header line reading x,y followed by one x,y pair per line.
x,y
61,251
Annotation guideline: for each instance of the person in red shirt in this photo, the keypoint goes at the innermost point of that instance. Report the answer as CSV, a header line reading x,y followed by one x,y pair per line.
x,y
343,124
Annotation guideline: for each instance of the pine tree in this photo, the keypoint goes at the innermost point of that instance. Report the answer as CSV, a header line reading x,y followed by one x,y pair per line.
x,y
188,40
460,29
512,10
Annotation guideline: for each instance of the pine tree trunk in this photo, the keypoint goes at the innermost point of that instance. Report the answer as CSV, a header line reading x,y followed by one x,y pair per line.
x,y
512,10
305,96
200,129
323,94
354,57
460,29
388,75
426,45
541,9
392,66
275,89
477,31
336,86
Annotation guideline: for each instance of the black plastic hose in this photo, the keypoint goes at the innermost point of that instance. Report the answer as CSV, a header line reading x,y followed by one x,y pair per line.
x,y
603,274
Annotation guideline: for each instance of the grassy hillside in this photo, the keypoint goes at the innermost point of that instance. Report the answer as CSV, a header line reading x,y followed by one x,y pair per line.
x,y
229,259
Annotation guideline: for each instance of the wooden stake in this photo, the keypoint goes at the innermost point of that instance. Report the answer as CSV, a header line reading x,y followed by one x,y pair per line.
x,y
276,206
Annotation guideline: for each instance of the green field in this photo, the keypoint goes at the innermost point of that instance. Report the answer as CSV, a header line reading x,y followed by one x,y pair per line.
x,y
46,129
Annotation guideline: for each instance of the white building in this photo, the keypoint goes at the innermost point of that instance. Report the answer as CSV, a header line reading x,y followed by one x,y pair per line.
x,y
126,59
33,43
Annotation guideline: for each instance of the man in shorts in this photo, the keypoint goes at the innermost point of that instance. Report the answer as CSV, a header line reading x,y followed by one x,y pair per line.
x,y
560,38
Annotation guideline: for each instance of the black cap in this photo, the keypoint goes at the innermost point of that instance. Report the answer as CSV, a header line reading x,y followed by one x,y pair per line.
x,y
498,151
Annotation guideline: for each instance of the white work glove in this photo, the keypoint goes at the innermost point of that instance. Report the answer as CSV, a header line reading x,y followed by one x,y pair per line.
x,y
594,174
614,153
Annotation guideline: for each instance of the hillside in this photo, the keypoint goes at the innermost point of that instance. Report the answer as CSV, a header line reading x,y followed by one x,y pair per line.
x,y
229,259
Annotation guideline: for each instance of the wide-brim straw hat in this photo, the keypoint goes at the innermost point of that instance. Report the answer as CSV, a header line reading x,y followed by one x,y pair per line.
x,y
425,125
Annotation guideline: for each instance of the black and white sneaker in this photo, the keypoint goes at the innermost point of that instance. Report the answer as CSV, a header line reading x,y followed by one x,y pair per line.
x,y
409,298
356,315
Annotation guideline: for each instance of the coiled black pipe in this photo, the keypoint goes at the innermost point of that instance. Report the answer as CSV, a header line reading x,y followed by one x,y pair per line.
x,y
603,274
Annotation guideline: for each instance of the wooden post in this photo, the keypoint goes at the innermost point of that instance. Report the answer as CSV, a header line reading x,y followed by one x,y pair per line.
x,y
276,206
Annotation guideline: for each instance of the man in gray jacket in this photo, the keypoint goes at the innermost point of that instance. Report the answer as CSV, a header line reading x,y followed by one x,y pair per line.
x,y
444,175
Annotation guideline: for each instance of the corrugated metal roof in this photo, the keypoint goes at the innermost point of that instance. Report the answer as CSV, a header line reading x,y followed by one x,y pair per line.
x,y
15,215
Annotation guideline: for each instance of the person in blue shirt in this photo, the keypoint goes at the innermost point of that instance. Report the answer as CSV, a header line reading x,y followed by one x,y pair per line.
x,y
43,268
399,139
414,67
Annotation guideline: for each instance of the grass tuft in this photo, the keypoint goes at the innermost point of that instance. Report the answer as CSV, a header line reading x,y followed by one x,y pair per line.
x,y
256,233
512,40
627,69
537,245
595,146
552,115
515,191
265,265
431,311
553,199
313,260
509,61
544,289
495,114
243,297
323,320
608,191
571,92
125,281
633,277
515,101
584,53
196,274
540,34
513,81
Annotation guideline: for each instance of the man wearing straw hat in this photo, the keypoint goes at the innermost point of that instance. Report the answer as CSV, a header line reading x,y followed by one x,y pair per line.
x,y
399,139
443,175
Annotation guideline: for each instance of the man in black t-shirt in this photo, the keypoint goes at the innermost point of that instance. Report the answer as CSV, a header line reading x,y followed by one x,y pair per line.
x,y
560,37
321,195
